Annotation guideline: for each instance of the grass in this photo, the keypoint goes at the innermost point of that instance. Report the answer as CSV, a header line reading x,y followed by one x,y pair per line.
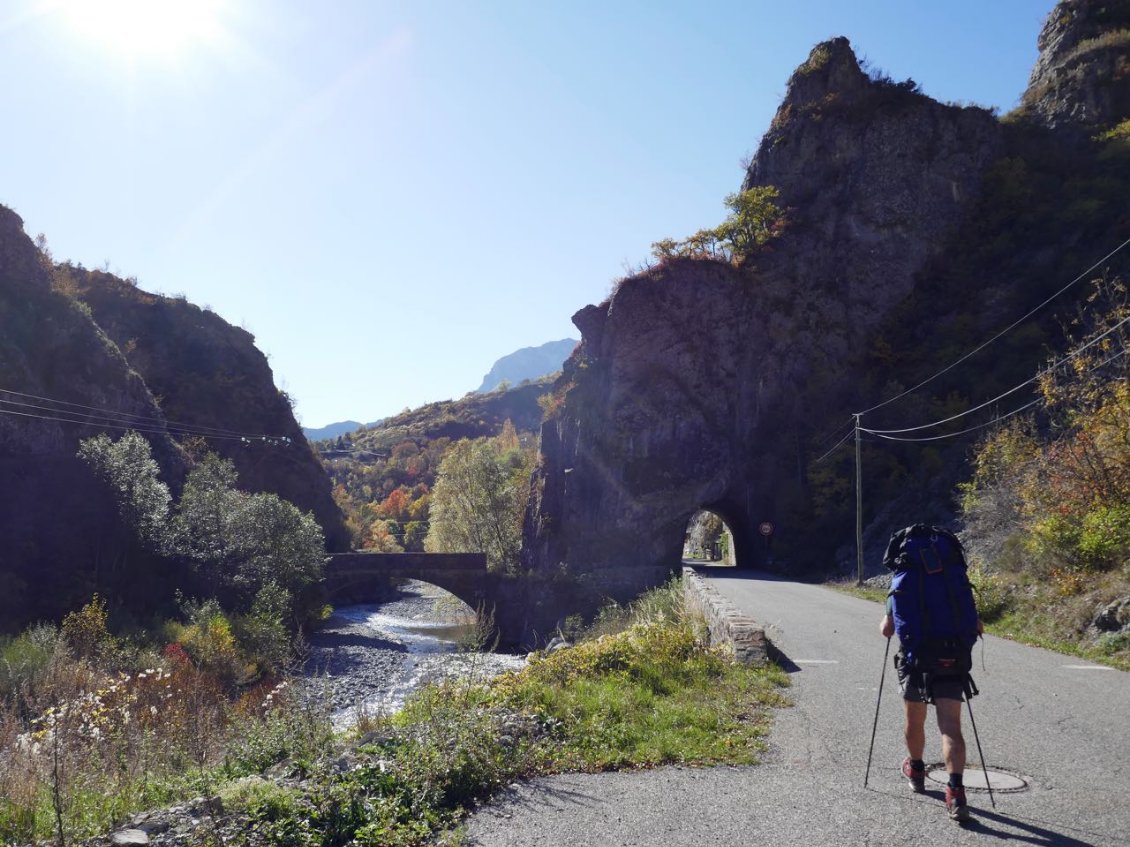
x,y
648,695
642,689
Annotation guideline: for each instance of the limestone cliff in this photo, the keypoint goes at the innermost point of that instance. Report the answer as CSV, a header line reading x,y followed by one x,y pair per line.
x,y
701,384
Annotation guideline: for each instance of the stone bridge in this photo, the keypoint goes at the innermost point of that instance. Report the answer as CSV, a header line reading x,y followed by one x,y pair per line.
x,y
527,610
366,577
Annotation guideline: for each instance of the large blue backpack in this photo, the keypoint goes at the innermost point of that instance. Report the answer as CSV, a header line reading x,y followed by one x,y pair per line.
x,y
931,600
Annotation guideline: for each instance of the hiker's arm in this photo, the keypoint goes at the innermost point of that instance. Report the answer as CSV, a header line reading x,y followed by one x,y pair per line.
x,y
887,626
980,627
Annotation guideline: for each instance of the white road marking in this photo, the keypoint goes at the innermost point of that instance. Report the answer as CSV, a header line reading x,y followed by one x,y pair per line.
x,y
1088,668
817,661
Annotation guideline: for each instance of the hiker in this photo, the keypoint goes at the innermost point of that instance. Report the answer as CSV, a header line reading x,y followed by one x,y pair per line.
x,y
932,610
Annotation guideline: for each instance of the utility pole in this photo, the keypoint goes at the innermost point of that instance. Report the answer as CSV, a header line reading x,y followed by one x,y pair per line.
x,y
858,505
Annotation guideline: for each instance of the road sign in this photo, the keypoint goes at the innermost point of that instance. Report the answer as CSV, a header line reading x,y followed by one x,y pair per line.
x,y
765,528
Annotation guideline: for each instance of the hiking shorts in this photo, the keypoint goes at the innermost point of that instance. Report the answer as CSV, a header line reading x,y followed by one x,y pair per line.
x,y
910,682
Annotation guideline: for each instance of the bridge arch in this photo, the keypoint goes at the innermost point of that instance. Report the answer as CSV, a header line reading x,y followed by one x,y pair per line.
x,y
359,577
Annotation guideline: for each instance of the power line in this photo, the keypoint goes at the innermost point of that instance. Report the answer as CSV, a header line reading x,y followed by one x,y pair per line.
x,y
131,416
148,430
839,444
1012,390
962,432
1007,329
136,421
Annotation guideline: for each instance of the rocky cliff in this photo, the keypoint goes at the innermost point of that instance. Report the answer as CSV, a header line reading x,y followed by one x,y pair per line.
x,y
700,384
118,358
209,374
1082,78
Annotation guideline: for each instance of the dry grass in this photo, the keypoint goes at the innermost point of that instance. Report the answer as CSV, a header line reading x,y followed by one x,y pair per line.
x,y
81,747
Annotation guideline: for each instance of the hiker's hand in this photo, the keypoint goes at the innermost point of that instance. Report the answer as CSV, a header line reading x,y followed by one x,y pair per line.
x,y
887,626
980,627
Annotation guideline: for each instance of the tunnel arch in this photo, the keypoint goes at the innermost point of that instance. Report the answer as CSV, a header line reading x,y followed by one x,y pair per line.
x,y
709,540
749,548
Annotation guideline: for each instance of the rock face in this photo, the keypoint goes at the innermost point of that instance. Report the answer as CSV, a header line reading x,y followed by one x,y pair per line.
x,y
1082,78
695,381
71,368
209,374
55,515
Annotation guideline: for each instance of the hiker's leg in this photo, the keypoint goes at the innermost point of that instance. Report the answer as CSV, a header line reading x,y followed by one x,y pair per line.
x,y
915,728
953,742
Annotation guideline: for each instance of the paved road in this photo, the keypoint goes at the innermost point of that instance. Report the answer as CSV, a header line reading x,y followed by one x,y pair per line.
x,y
1066,729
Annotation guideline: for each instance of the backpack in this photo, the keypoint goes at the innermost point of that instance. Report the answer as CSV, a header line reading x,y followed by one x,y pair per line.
x,y
931,601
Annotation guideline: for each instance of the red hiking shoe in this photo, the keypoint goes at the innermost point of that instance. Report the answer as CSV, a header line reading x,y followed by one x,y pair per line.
x,y
916,778
955,803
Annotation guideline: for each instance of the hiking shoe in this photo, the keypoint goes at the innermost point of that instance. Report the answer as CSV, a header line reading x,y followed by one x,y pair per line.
x,y
916,778
955,803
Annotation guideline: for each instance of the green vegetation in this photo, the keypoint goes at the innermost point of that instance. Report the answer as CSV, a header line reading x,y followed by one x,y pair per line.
x,y
479,499
1047,511
644,691
754,220
253,556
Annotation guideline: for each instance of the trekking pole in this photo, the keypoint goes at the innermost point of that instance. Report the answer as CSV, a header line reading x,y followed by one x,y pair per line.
x,y
980,752
875,725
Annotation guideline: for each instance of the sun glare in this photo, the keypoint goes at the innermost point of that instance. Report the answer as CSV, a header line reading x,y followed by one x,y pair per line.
x,y
140,27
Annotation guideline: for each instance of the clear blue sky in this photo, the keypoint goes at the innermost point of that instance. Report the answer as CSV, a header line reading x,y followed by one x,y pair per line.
x,y
392,195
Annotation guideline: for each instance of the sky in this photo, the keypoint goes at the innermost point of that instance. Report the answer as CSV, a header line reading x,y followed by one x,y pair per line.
x,y
392,195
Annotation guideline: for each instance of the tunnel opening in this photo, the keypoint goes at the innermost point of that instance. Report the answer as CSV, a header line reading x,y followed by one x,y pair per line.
x,y
709,541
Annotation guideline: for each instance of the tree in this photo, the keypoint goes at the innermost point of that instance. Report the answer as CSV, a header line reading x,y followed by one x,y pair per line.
x,y
243,541
754,220
479,499
128,467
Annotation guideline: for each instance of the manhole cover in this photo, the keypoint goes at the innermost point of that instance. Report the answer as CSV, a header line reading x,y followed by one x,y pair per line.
x,y
980,780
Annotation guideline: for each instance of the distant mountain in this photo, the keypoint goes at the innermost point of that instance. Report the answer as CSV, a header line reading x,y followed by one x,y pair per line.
x,y
528,363
334,430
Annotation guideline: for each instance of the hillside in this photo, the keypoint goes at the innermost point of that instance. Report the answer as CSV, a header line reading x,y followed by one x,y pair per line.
x,y
383,475
84,352
878,236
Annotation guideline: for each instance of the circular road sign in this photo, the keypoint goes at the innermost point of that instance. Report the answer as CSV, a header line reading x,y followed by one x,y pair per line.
x,y
765,528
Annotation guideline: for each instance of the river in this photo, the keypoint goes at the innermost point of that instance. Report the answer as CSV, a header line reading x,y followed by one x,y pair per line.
x,y
369,658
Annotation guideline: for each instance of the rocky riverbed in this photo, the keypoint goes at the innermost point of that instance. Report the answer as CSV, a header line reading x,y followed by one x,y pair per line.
x,y
369,658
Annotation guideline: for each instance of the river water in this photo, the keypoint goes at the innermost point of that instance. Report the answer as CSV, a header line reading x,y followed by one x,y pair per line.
x,y
369,658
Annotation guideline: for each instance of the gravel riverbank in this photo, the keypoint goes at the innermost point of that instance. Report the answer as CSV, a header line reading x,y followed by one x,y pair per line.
x,y
369,658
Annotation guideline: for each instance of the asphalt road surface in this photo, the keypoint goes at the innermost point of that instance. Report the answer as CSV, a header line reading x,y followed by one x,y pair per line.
x,y
1060,723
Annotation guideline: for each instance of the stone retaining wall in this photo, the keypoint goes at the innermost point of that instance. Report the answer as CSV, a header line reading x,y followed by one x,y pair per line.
x,y
725,623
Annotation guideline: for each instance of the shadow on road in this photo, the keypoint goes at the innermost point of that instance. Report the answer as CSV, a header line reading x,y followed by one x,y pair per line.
x,y
1031,834
778,656
730,572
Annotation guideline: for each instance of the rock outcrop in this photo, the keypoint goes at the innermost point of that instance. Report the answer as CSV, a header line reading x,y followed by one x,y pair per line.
x,y
211,376
54,514
83,353
699,384
1082,77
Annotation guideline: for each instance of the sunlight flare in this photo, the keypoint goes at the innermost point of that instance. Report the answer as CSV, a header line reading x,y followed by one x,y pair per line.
x,y
139,27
